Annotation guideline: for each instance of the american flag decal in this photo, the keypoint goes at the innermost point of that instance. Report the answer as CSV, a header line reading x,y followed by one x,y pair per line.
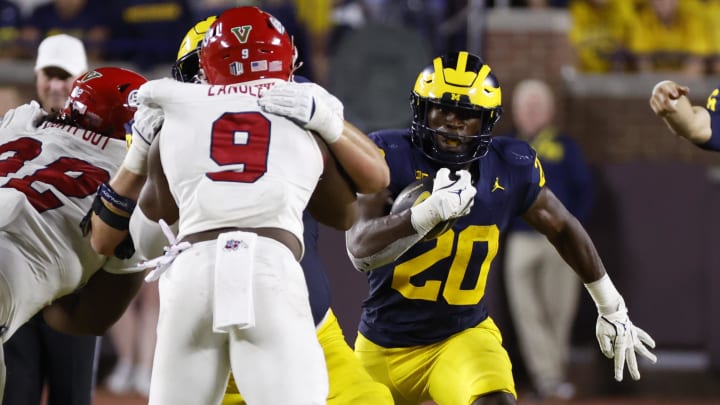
x,y
258,65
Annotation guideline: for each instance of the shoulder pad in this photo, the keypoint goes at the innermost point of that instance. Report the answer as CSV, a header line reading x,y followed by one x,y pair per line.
x,y
513,151
391,138
155,91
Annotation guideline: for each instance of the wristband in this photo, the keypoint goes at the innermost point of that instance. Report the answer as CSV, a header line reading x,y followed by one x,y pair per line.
x,y
136,158
424,217
605,295
112,208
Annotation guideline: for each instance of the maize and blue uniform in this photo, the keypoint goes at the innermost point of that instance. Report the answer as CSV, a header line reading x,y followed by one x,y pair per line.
x,y
425,331
711,106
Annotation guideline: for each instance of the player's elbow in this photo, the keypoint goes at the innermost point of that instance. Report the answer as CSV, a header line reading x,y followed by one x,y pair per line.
x,y
378,179
100,247
105,244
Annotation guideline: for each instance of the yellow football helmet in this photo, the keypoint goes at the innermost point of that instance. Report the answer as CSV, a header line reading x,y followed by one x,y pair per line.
x,y
187,62
460,81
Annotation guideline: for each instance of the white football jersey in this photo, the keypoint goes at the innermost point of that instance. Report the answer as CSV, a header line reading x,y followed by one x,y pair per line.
x,y
228,163
48,179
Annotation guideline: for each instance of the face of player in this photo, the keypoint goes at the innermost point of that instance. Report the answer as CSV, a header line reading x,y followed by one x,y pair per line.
x,y
53,87
458,128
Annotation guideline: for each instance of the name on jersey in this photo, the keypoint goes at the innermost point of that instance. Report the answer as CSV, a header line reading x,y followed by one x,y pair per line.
x,y
254,90
88,136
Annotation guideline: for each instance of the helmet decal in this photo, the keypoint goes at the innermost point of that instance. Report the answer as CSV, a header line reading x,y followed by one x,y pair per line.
x,y
132,100
277,25
242,33
236,68
93,74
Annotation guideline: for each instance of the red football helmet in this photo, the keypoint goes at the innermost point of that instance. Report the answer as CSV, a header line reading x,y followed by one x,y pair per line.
x,y
103,100
244,44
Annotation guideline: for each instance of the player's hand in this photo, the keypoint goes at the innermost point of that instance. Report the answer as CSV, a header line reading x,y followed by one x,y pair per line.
x,y
665,95
26,117
450,198
619,339
308,104
146,124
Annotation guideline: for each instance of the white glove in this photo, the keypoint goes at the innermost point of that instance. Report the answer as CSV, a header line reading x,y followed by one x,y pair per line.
x,y
449,199
308,104
146,124
617,336
26,117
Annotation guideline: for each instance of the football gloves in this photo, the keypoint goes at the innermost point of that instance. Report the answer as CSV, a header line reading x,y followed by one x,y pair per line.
x,y
26,117
618,338
146,124
449,199
309,105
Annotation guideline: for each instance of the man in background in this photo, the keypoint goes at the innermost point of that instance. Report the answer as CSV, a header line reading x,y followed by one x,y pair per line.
x,y
542,290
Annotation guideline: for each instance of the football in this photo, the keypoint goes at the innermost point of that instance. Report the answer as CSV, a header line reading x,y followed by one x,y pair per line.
x,y
414,194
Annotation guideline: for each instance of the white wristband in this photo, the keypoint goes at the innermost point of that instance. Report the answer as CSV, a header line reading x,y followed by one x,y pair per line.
x,y
136,158
605,295
424,217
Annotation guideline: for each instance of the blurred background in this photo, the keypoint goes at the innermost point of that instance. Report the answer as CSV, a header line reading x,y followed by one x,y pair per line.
x,y
656,214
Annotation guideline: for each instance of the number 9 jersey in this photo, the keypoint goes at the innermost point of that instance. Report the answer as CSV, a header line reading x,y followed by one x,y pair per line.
x,y
230,164
436,288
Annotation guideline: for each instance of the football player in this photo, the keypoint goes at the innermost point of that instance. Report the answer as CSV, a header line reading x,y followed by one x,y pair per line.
x,y
49,179
425,331
322,203
694,123
349,382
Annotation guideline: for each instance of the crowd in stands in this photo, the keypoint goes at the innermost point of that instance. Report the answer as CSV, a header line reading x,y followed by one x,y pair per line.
x,y
646,36
608,35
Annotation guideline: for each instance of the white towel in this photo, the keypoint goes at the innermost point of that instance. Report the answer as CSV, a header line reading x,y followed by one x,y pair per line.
x,y
234,267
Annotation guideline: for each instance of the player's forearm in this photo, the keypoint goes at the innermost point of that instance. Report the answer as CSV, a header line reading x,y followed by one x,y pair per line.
x,y
370,237
577,249
127,183
361,159
105,238
690,122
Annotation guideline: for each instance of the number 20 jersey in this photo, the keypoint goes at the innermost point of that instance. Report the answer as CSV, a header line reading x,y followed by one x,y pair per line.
x,y
436,288
228,163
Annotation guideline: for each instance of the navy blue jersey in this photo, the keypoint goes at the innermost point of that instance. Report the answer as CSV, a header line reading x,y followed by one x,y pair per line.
x,y
436,288
567,173
315,277
711,106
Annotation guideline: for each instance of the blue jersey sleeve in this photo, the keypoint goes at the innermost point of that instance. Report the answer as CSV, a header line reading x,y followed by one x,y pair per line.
x,y
711,106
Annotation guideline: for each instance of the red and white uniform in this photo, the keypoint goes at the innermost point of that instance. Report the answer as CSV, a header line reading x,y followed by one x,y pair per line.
x,y
48,179
228,164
